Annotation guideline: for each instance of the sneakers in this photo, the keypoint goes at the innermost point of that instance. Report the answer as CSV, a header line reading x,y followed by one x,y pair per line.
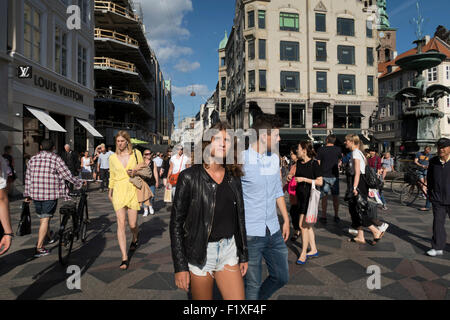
x,y
152,212
383,227
52,239
434,253
40,252
353,231
145,212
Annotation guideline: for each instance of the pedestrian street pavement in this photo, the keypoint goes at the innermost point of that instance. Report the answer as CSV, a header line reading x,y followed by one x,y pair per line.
x,y
340,271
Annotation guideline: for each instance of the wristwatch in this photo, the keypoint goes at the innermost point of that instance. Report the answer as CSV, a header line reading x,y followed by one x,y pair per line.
x,y
9,234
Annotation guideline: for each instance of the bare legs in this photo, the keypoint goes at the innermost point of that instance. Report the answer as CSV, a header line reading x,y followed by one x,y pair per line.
x,y
229,281
325,205
121,229
308,239
44,231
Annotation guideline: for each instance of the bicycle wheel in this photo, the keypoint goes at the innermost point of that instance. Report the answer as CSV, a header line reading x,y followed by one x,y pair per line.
x,y
397,185
66,234
409,194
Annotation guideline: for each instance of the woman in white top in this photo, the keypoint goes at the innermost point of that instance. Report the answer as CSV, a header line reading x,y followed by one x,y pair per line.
x,y
357,211
86,166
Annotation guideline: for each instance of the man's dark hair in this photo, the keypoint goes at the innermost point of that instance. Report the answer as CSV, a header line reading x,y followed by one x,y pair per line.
x,y
47,145
331,139
294,149
266,121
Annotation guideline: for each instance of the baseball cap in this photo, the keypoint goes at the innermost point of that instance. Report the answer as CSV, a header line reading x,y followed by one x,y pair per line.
x,y
443,142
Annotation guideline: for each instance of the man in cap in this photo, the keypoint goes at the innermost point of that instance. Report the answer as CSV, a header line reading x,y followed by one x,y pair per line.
x,y
438,178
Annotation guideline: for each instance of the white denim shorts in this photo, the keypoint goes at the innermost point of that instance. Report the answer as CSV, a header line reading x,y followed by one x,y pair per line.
x,y
3,183
219,254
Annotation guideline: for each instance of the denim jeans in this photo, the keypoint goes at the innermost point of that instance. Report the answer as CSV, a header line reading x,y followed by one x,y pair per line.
x,y
274,251
152,200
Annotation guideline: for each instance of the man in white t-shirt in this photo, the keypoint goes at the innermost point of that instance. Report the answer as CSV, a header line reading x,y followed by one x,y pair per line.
x,y
5,221
178,163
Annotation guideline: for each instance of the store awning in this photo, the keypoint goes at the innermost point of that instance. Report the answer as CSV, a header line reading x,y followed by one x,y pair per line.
x,y
4,127
90,128
355,114
46,120
137,141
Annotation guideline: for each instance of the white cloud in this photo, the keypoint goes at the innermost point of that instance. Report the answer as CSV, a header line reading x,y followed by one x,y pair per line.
x,y
186,66
164,21
199,89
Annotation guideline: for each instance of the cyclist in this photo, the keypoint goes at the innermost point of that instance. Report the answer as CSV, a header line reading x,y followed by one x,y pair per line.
x,y
44,184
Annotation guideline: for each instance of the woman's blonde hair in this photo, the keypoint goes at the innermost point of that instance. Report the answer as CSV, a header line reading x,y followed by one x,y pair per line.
x,y
124,134
356,140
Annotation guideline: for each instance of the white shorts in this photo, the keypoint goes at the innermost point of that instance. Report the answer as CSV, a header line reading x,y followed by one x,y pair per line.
x,y
219,254
3,183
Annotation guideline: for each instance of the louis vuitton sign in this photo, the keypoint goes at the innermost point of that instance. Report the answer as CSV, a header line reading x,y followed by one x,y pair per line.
x,y
57,88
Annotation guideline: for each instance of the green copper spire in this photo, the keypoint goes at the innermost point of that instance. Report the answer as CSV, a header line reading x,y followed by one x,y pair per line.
x,y
382,15
223,43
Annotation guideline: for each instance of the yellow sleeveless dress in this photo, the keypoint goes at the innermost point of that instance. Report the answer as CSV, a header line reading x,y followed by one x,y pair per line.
x,y
124,194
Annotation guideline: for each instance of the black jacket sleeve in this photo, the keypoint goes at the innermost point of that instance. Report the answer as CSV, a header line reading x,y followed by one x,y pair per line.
x,y
180,209
243,256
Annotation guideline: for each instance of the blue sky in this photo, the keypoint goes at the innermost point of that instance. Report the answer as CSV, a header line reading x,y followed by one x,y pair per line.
x,y
185,35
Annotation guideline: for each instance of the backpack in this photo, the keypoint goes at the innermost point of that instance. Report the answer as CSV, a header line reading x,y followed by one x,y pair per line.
x,y
371,177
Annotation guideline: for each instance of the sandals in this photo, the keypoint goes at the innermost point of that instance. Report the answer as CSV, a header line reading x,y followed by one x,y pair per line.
x,y
378,239
125,263
134,245
357,241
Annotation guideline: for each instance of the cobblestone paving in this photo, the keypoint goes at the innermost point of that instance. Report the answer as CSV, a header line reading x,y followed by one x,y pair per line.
x,y
338,273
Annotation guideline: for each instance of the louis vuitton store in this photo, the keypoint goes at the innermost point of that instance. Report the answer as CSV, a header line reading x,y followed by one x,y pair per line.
x,y
49,80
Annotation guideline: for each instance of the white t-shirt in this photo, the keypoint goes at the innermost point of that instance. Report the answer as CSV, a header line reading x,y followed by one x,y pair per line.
x,y
176,161
158,161
4,169
357,154
86,164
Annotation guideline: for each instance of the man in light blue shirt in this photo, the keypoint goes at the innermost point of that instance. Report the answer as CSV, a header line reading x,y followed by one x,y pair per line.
x,y
262,191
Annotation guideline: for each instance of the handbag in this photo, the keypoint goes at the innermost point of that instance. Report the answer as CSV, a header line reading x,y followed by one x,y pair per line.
x,y
24,227
168,195
174,177
313,205
292,186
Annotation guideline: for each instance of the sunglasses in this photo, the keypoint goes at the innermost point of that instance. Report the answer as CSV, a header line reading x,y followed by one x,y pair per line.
x,y
147,154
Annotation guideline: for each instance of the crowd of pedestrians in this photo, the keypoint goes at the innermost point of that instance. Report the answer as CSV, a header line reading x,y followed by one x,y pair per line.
x,y
224,220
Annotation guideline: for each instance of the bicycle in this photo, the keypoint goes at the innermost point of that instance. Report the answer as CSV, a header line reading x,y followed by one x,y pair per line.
x,y
413,186
397,185
73,223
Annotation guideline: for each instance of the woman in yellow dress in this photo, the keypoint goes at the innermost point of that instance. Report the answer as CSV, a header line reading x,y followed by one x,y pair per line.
x,y
122,192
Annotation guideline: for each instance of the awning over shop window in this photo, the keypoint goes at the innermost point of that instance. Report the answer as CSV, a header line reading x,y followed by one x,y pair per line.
x,y
46,120
355,114
90,128
4,127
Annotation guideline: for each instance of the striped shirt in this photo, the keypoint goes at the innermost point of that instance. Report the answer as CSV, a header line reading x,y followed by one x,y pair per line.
x,y
45,178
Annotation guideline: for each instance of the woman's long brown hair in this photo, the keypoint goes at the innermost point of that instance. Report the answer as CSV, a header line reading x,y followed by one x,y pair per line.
x,y
234,168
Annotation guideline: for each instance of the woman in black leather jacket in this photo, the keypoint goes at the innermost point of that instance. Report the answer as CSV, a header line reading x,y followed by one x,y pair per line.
x,y
207,225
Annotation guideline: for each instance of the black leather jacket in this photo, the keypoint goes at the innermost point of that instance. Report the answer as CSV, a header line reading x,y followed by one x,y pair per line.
x,y
192,217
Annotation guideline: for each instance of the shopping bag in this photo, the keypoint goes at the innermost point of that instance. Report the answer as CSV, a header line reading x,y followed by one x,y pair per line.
x,y
168,195
313,205
374,194
24,227
292,187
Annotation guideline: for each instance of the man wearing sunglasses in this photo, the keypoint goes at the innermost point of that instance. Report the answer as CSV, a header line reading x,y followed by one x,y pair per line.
x,y
438,178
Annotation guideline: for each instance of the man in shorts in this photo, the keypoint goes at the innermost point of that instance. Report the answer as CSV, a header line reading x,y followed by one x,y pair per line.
x,y
329,158
422,160
44,184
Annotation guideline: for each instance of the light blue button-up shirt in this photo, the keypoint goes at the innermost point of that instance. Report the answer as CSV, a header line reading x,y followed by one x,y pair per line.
x,y
261,185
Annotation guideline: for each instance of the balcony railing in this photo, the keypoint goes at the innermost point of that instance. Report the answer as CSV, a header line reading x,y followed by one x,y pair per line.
x,y
122,95
122,125
108,34
115,8
103,62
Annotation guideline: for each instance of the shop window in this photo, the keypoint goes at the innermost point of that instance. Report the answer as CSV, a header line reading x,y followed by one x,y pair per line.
x,y
319,116
298,116
282,111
